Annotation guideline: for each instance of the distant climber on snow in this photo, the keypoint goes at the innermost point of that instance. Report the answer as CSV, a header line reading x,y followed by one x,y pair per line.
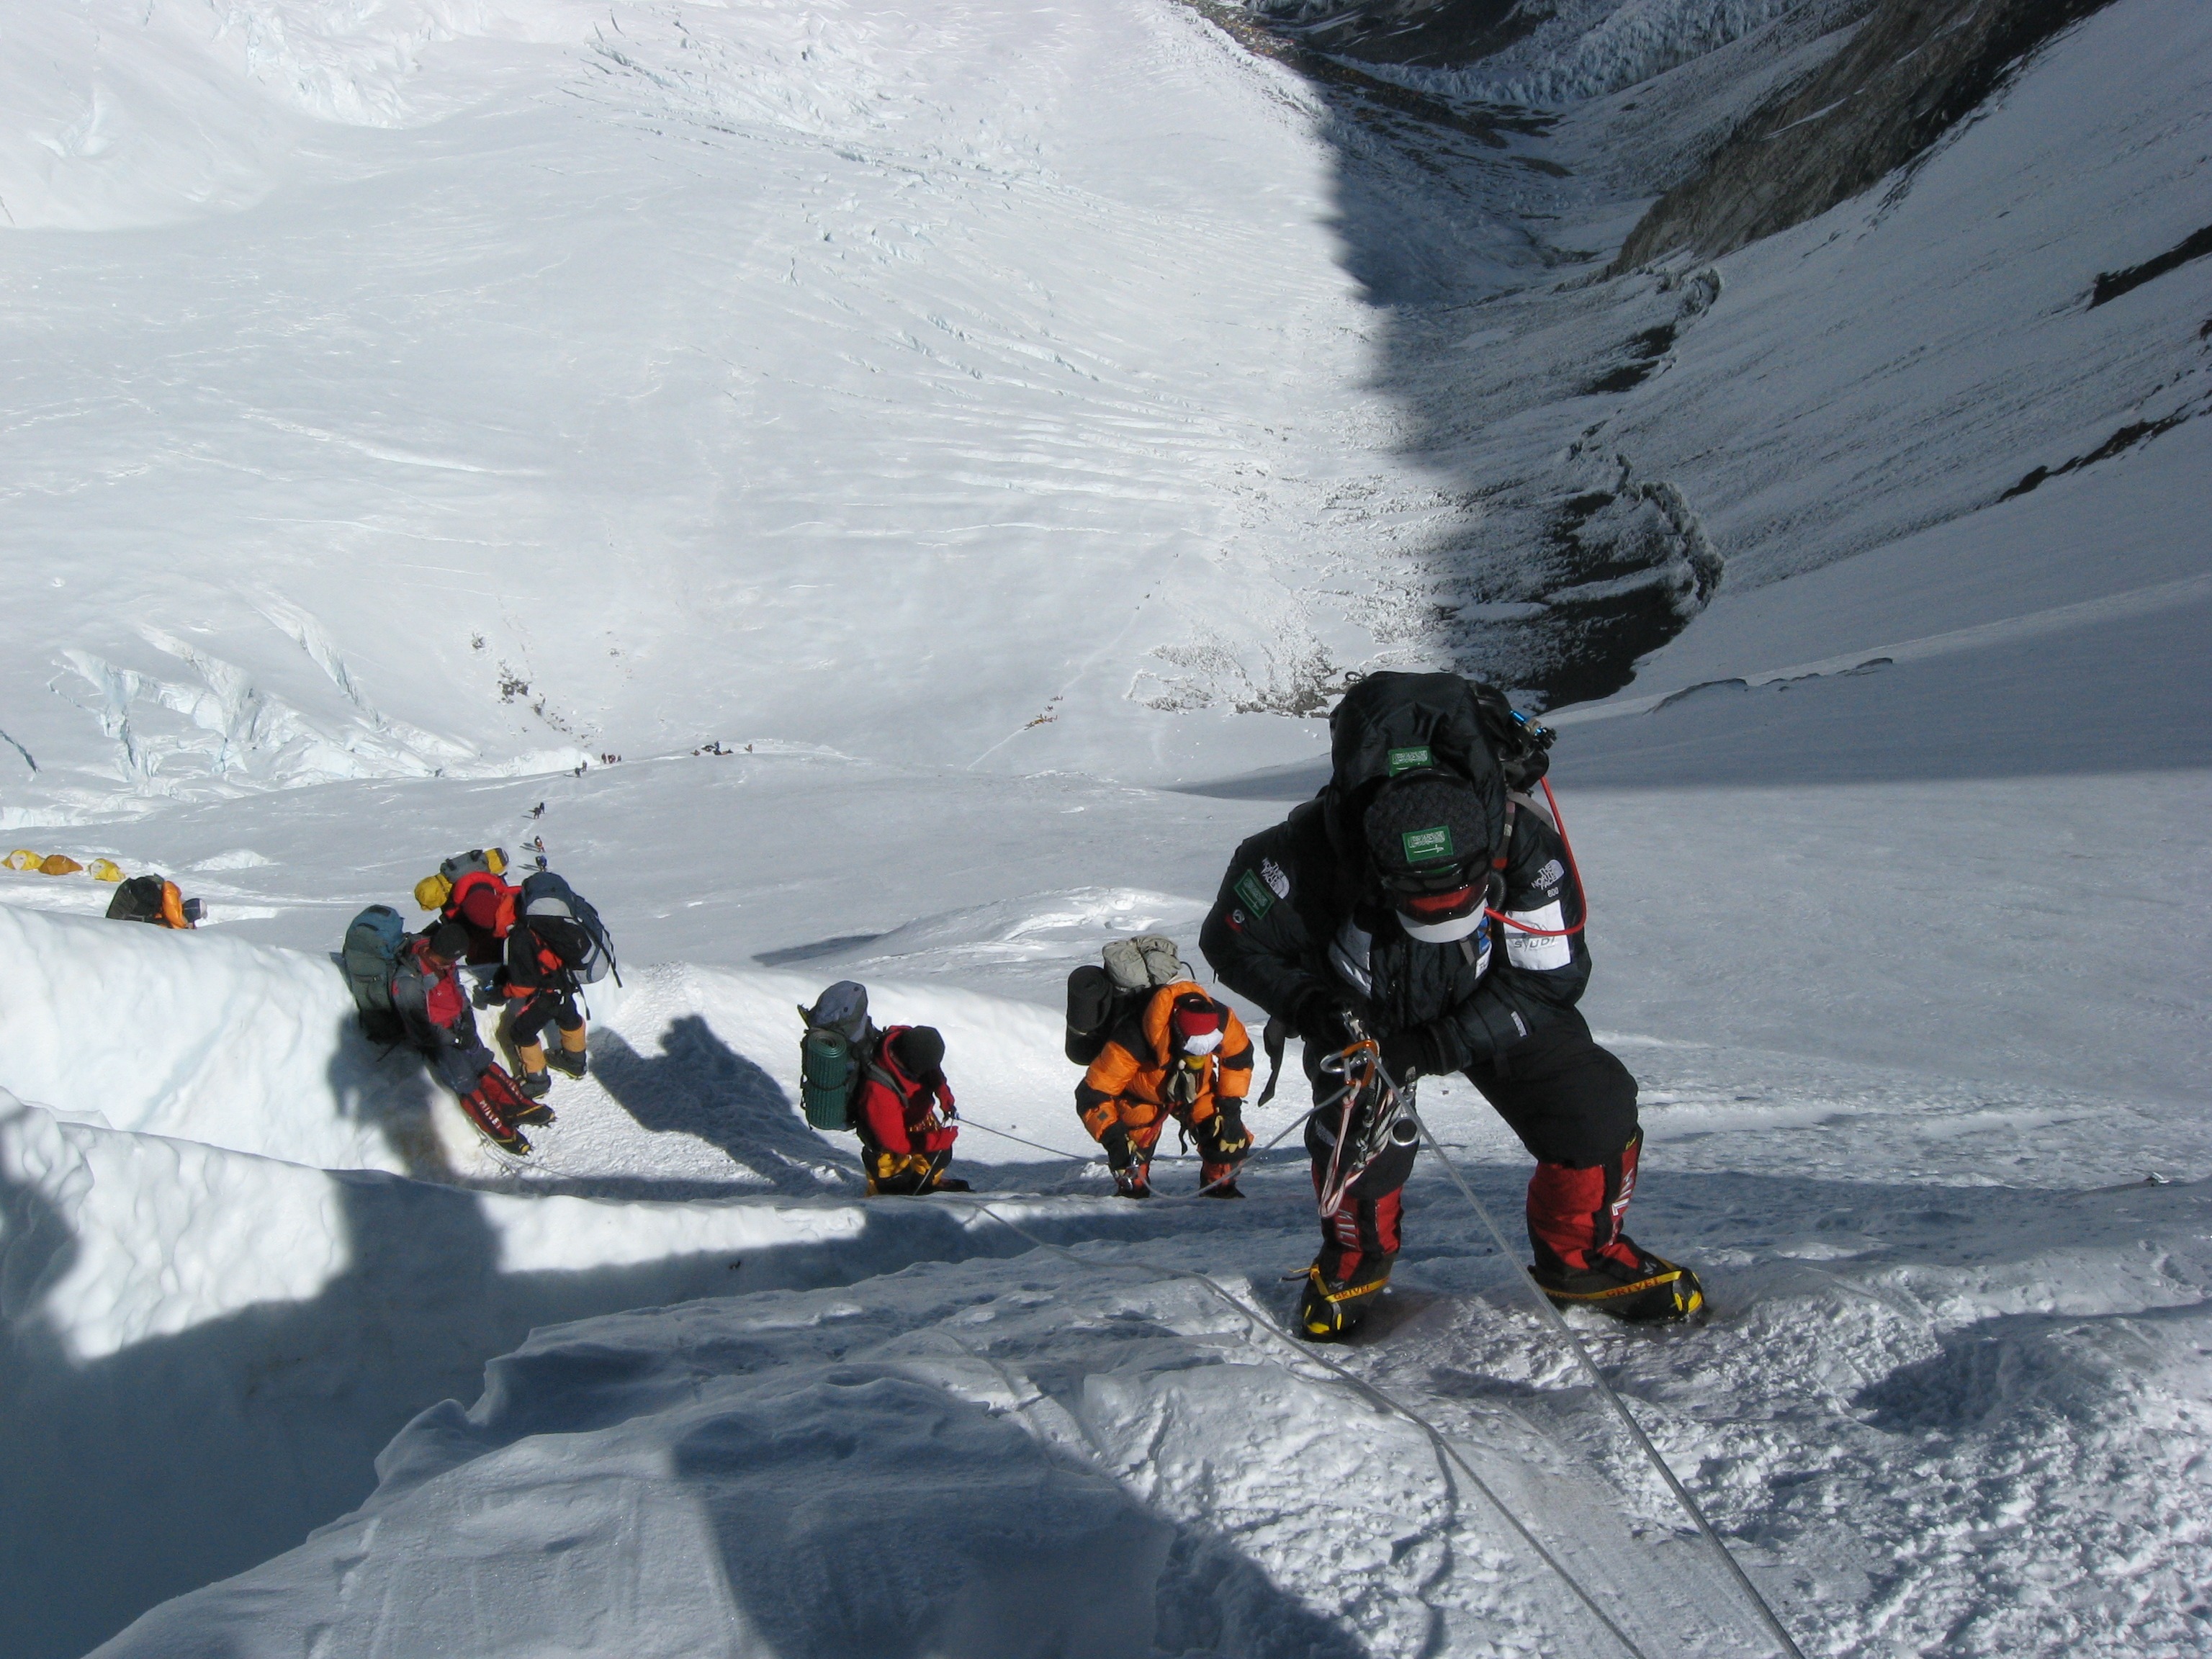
x,y
435,1015
1159,1048
555,946
156,900
1365,920
888,1087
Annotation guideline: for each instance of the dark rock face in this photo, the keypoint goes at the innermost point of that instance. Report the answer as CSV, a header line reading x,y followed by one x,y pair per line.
x,y
1913,70
1435,32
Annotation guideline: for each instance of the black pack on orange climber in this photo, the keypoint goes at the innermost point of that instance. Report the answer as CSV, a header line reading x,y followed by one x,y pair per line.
x,y
153,899
1101,994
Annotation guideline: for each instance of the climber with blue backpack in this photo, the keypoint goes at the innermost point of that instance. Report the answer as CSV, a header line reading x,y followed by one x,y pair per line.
x,y
888,1087
555,946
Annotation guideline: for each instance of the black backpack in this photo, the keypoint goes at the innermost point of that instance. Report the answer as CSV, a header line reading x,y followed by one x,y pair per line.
x,y
138,899
548,898
1101,995
1391,724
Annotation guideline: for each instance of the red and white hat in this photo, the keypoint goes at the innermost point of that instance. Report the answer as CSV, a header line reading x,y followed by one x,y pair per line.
x,y
1197,1025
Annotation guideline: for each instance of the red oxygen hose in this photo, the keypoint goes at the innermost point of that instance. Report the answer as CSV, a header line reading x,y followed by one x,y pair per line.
x,y
1581,897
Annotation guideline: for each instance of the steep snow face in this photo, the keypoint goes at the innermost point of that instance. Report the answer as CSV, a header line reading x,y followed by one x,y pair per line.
x,y
586,382
1630,445
909,401
1108,1455
1916,1235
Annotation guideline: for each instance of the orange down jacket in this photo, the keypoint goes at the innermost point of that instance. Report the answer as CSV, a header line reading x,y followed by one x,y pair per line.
x,y
1132,1082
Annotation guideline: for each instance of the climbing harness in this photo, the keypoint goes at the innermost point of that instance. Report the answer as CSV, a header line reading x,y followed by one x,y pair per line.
x,y
1368,1096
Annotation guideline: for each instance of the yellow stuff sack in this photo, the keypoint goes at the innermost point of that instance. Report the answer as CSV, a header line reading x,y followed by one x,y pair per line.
x,y
106,870
432,891
23,859
59,864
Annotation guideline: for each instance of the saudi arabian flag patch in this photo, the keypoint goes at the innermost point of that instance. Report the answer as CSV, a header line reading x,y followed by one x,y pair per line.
x,y
1417,758
1254,891
1427,846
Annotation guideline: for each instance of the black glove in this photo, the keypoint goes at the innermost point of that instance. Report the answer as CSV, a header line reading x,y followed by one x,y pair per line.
x,y
1325,1017
1224,1131
1410,1053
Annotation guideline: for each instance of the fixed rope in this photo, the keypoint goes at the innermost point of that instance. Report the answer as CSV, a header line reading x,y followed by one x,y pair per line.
x,y
1168,1198
1360,1385
1605,1389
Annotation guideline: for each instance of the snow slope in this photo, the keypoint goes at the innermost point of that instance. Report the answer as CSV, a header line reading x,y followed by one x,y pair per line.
x,y
660,331
856,309
1623,447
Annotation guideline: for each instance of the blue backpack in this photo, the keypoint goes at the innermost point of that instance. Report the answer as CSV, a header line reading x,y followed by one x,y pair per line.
x,y
548,897
370,954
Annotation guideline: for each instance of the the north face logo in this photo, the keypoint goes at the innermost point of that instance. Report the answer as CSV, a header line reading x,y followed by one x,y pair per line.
x,y
1414,758
1427,846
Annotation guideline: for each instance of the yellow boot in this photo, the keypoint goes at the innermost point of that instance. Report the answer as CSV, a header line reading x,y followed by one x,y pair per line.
x,y
530,1077
570,1059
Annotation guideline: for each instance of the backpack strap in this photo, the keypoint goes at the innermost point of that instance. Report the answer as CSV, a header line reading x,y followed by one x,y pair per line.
x,y
1273,1039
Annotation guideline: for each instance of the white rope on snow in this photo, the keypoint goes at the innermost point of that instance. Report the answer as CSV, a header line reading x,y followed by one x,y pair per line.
x,y
1360,1385
1566,1333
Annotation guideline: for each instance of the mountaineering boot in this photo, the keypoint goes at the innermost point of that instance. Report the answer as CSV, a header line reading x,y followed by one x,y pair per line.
x,y
569,1058
491,1122
1329,1310
1583,1256
893,1174
533,1087
939,1181
1627,1281
1219,1179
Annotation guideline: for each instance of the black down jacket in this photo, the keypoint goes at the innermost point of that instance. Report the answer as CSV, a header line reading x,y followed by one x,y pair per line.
x,y
1297,919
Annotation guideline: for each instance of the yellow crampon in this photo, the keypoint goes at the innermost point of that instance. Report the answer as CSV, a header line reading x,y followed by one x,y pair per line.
x,y
1670,1294
1324,1314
